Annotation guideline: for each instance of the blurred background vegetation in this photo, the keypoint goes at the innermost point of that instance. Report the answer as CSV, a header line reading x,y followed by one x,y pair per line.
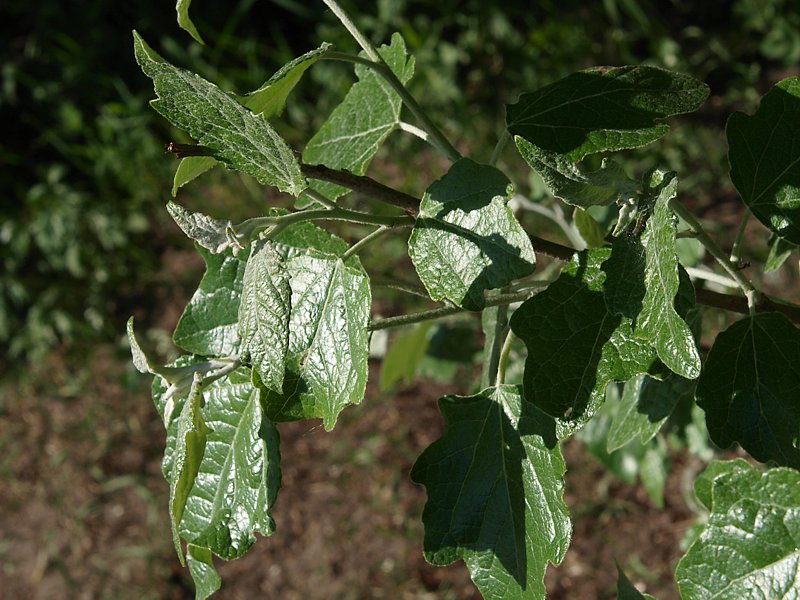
x,y
85,240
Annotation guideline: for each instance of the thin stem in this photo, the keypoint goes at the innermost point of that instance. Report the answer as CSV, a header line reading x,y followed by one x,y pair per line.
x,y
737,243
414,130
711,276
403,286
363,184
555,216
359,245
437,138
444,311
353,30
320,198
495,328
280,222
498,148
502,365
750,292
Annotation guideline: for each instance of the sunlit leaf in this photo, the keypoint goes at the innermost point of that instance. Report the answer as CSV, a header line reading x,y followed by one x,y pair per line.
x,y
466,240
495,493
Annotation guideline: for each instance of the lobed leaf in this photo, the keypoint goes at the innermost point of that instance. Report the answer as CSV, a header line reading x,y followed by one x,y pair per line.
x,y
495,493
234,135
356,128
603,109
326,364
750,548
750,388
765,159
575,345
566,181
659,322
466,239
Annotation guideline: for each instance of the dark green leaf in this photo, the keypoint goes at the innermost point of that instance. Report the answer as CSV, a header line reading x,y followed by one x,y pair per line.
x,y
750,388
658,322
216,235
604,109
466,240
264,314
779,251
189,168
184,21
359,125
625,589
575,346
328,341
270,99
234,135
190,445
239,477
765,159
205,576
645,405
495,493
566,181
209,325
750,548
624,287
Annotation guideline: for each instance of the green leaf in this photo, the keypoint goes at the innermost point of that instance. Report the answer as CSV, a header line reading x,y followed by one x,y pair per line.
x,y
238,479
575,345
750,548
184,21
604,109
216,235
466,239
270,99
209,325
565,180
624,287
264,314
495,493
205,576
591,231
765,160
404,355
190,445
190,168
328,340
704,483
359,125
234,135
779,251
645,406
143,363
659,322
750,388
654,469
625,589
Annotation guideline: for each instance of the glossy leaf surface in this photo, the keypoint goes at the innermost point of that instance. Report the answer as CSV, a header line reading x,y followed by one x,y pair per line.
x,y
750,388
765,159
659,322
212,234
604,109
328,341
264,314
235,136
750,548
495,493
356,128
466,240
205,576
575,345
